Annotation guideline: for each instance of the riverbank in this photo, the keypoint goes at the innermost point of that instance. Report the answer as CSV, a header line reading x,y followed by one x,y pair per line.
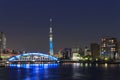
x,y
69,61
92,62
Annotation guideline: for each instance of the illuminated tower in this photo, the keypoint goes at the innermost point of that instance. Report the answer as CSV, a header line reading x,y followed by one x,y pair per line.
x,y
51,38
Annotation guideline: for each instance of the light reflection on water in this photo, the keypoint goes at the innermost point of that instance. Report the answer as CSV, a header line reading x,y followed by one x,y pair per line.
x,y
106,65
33,71
65,71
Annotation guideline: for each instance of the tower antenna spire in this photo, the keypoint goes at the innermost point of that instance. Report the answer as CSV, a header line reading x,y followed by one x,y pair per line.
x,y
50,19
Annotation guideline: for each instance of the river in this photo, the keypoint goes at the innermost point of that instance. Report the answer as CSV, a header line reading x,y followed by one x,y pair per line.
x,y
63,71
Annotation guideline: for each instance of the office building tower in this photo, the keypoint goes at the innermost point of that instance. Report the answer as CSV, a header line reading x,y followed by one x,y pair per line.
x,y
118,54
66,53
95,50
109,48
87,51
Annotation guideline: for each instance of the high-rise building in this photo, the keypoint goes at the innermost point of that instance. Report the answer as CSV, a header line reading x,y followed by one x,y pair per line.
x,y
76,54
118,55
109,48
51,38
77,50
2,41
66,53
87,51
95,50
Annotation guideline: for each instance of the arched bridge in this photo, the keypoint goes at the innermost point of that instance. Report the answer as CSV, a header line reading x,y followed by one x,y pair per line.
x,y
32,57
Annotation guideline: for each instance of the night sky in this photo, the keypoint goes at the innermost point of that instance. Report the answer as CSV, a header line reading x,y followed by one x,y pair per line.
x,y
76,22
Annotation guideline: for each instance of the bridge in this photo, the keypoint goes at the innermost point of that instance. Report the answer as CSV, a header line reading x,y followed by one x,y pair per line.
x,y
32,58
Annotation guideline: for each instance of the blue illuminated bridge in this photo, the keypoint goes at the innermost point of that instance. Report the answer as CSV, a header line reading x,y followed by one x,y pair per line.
x,y
32,58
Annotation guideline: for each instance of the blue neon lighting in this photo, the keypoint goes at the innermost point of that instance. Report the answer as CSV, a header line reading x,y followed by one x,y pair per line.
x,y
34,66
51,45
34,54
51,48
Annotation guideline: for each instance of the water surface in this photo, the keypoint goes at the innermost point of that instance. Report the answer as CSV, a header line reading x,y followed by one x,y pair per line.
x,y
65,71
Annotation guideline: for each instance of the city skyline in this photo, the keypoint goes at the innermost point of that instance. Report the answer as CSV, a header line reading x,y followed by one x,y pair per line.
x,y
76,23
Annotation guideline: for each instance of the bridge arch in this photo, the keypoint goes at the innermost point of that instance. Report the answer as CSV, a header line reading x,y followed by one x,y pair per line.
x,y
33,57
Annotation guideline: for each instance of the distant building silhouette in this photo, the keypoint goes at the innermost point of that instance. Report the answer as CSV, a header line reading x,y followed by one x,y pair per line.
x,y
87,51
95,50
66,53
118,55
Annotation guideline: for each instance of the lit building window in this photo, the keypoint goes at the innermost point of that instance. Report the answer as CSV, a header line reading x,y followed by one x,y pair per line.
x,y
104,45
112,49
